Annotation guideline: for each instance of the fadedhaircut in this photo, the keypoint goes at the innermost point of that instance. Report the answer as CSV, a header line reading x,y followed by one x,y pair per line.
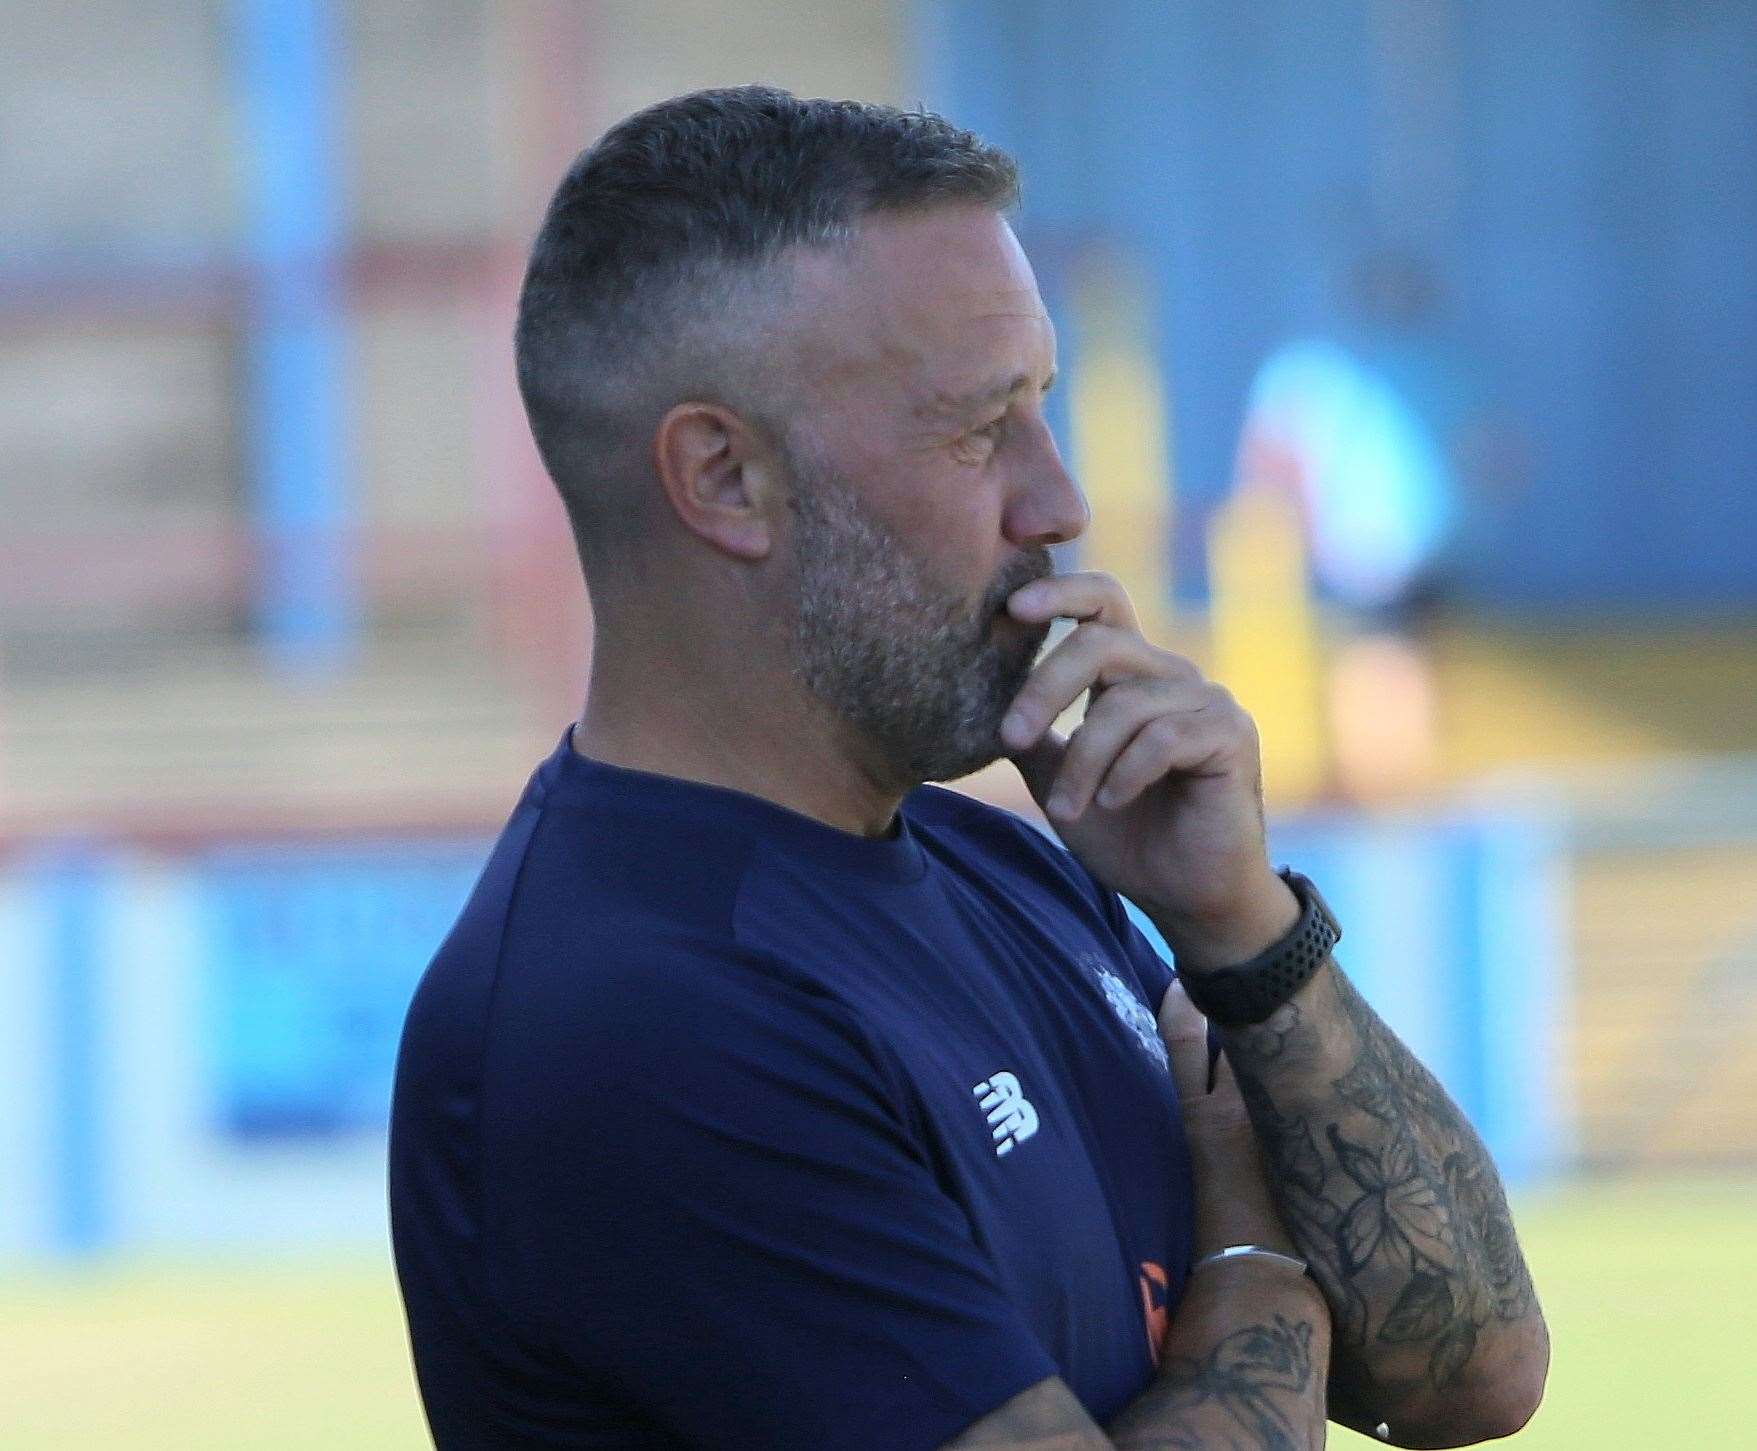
x,y
654,276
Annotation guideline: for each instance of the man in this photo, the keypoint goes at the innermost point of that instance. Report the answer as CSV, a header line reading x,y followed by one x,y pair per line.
x,y
763,1096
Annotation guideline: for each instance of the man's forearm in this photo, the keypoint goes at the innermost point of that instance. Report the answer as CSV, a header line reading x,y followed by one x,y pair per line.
x,y
1242,1370
1390,1193
1244,1366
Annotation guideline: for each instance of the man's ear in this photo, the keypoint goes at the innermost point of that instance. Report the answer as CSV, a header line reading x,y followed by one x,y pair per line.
x,y
720,477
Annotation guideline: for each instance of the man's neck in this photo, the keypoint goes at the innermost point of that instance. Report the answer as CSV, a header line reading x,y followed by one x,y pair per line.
x,y
759,733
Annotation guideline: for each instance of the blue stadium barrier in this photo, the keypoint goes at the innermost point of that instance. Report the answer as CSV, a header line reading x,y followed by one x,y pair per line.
x,y
197,1051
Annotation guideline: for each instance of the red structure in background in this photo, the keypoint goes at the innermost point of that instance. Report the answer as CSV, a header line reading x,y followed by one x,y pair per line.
x,y
95,603
59,577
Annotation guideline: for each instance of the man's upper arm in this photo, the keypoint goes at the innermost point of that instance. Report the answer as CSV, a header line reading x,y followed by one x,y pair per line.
x,y
717,1214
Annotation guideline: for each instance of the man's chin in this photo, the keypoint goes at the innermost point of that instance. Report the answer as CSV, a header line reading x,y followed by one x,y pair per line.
x,y
966,766
961,751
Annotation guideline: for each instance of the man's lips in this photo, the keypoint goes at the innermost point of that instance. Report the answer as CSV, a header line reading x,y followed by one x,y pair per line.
x,y
1015,585
1023,630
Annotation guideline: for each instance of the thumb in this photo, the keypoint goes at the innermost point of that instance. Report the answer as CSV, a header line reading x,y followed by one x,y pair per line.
x,y
1185,1033
1039,762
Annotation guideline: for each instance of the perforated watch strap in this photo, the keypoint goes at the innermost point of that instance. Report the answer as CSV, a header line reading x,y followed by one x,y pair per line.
x,y
1235,997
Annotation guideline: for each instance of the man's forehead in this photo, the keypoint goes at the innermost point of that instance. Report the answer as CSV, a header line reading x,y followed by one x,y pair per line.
x,y
945,301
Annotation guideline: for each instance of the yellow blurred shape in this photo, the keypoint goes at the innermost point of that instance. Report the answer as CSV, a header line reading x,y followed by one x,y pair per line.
x,y
1507,700
1532,695
1121,440
1265,640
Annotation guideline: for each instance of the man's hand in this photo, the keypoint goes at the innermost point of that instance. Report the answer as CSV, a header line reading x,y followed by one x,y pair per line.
x,y
1377,1176
1159,790
1245,1358
1234,1201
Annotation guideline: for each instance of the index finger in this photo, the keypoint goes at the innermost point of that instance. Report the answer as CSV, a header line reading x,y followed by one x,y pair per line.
x,y
1083,595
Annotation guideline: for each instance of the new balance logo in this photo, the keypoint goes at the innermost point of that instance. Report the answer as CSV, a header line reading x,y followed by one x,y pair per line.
x,y
1010,1114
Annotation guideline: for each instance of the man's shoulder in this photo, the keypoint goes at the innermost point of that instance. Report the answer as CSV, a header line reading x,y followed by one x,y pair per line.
x,y
972,830
574,914
590,1002
945,808
1008,852
666,1019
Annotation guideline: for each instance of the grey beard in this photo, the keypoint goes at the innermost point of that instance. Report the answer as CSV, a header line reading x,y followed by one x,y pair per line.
x,y
893,653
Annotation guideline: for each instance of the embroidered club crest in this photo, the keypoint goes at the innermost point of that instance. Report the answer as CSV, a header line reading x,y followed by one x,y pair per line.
x,y
1133,1013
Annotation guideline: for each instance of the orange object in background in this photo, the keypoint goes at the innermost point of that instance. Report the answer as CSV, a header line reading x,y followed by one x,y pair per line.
x,y
1265,637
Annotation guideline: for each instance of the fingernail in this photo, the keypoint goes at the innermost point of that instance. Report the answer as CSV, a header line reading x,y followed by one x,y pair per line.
x,y
1015,728
1059,804
1106,797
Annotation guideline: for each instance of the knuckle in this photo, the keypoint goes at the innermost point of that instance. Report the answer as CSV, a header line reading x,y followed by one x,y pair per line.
x,y
1174,666
1242,720
1137,698
1221,708
1164,731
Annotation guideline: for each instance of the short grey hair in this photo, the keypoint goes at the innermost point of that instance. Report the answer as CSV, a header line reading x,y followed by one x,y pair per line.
x,y
653,271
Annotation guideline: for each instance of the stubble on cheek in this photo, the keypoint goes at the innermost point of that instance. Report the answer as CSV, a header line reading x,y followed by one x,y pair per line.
x,y
923,673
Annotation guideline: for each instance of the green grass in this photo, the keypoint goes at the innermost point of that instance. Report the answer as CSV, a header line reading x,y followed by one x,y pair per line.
x,y
1651,1292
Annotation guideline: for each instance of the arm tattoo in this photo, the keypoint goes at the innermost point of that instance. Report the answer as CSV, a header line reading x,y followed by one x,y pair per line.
x,y
1243,1394
1240,1377
1044,1418
1387,1190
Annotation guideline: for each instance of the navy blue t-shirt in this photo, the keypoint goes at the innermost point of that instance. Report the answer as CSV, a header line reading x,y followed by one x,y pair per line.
x,y
717,1126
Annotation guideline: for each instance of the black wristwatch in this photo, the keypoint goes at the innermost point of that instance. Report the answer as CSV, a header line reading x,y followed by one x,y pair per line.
x,y
1235,997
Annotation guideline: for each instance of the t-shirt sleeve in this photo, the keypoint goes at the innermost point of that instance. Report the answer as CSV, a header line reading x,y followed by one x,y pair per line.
x,y
720,1218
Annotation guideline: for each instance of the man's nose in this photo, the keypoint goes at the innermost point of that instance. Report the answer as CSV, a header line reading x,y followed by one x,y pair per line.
x,y
1047,506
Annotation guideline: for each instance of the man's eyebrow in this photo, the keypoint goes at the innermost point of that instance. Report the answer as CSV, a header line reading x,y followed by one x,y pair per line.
x,y
944,403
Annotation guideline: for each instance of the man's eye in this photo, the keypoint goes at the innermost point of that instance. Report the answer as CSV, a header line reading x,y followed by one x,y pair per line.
x,y
991,430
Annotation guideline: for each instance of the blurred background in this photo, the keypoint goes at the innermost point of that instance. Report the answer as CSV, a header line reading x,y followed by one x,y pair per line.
x,y
1411,350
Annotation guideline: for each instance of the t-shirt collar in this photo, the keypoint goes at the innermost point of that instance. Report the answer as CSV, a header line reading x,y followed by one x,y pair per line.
x,y
596,785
